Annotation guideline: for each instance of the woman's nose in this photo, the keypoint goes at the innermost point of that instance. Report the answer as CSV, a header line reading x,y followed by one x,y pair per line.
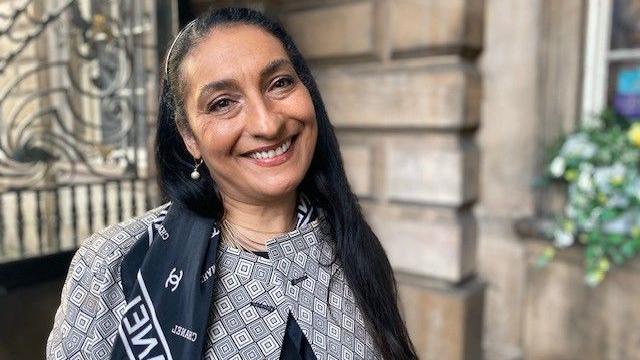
x,y
264,121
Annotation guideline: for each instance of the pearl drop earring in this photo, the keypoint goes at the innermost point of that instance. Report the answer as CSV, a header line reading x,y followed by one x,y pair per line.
x,y
195,174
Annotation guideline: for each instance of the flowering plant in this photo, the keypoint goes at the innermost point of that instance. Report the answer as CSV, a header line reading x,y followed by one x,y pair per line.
x,y
599,163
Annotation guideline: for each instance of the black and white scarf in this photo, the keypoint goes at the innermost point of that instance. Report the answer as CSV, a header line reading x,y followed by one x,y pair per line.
x,y
168,281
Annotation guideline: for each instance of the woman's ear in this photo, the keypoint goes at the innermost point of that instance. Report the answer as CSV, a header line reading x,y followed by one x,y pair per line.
x,y
190,142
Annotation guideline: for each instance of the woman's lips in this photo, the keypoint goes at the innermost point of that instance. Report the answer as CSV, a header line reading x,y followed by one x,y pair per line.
x,y
275,160
267,148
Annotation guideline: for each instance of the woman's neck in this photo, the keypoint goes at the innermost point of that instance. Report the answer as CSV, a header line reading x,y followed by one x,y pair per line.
x,y
261,220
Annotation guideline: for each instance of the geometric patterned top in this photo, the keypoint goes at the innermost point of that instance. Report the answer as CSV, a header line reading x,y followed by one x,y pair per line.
x,y
253,298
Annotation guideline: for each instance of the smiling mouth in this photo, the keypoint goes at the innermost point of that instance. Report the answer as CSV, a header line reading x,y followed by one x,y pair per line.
x,y
272,152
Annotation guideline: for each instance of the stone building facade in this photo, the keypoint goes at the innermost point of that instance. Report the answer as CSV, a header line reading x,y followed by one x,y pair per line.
x,y
443,109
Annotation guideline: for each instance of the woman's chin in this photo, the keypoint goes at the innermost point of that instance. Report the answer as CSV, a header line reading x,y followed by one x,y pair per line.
x,y
276,191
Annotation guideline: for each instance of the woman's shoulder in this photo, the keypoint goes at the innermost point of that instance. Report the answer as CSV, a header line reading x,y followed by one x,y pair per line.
x,y
107,247
92,298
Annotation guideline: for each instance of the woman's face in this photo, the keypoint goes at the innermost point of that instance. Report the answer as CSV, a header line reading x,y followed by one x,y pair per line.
x,y
251,118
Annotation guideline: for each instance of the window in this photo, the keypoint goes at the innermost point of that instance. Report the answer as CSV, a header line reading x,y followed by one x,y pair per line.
x,y
612,57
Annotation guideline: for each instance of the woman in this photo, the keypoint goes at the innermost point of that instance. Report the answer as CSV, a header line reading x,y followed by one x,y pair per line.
x,y
260,207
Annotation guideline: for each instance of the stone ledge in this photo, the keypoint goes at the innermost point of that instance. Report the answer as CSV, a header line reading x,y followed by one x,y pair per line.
x,y
533,227
573,255
443,93
591,323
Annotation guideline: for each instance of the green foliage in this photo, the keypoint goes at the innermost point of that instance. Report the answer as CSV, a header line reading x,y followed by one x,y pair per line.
x,y
599,165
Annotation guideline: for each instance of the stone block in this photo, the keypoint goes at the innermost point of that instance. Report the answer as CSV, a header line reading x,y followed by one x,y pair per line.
x,y
444,323
436,24
419,171
512,109
442,94
506,280
436,242
341,30
357,162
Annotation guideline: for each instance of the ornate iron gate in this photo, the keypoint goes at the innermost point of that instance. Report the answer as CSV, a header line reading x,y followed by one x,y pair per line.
x,y
77,95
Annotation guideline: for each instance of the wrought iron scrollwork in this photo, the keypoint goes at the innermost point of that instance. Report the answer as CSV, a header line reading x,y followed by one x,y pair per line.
x,y
86,111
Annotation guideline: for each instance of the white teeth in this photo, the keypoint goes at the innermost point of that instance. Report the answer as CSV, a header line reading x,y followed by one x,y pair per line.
x,y
271,153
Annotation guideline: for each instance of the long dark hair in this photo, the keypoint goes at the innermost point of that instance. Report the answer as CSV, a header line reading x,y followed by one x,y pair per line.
x,y
364,262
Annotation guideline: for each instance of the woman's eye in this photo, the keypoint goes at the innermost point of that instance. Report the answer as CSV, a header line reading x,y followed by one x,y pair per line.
x,y
282,82
219,105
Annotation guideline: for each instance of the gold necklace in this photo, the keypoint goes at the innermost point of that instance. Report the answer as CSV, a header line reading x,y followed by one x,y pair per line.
x,y
291,224
231,235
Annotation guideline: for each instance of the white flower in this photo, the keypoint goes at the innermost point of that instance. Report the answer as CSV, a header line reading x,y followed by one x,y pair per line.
x,y
606,176
577,197
557,166
618,200
620,225
563,239
618,171
585,182
578,146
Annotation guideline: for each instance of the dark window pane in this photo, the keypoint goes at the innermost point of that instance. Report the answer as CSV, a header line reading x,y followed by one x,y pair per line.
x,y
625,24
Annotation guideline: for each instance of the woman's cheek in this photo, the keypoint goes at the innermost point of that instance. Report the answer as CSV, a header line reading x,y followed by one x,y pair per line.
x,y
304,105
217,137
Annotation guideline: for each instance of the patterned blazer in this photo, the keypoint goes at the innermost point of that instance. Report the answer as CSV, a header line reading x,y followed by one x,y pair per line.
x,y
254,298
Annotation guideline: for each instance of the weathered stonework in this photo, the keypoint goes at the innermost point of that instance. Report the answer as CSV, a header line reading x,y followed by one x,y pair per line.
x,y
341,30
436,25
446,323
357,159
442,93
405,118
566,319
440,174
433,242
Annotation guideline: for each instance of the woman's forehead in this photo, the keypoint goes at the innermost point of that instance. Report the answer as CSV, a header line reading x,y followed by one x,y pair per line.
x,y
231,51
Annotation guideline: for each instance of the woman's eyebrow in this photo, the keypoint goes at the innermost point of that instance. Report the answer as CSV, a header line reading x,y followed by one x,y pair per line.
x,y
273,66
218,85
214,86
